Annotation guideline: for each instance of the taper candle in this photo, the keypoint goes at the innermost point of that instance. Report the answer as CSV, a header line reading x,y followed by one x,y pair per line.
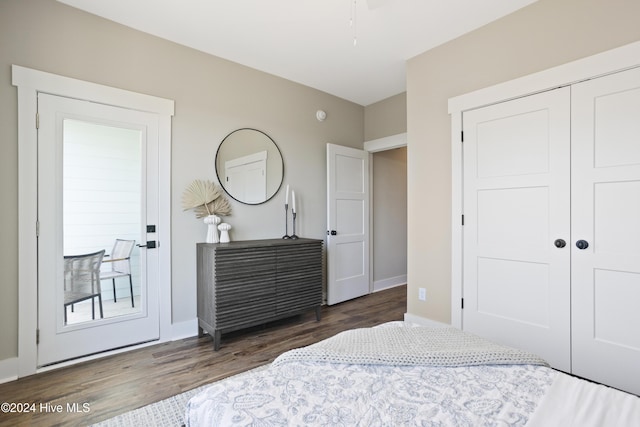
x,y
286,196
293,196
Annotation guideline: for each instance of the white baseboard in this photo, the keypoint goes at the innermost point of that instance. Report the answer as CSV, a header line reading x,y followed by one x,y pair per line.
x,y
423,321
8,370
392,282
185,329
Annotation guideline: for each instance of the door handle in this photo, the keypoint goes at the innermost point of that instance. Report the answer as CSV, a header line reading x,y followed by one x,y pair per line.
x,y
582,244
560,243
332,232
151,244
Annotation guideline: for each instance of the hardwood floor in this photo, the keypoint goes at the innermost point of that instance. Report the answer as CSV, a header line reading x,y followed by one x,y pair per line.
x,y
106,387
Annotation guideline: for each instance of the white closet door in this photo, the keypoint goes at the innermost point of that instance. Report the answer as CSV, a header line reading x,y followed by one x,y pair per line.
x,y
606,215
516,205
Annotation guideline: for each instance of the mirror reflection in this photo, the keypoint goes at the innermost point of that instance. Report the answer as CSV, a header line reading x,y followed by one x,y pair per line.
x,y
249,166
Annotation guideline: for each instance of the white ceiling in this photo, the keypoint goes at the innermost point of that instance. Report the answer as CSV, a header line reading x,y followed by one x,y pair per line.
x,y
311,41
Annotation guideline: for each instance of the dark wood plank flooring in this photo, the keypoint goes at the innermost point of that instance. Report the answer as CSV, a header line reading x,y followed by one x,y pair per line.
x,y
116,384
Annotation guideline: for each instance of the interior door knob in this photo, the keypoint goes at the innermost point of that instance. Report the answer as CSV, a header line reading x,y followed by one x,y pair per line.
x,y
560,243
582,244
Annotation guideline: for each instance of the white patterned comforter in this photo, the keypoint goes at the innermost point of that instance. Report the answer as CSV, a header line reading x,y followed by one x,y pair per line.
x,y
302,394
325,393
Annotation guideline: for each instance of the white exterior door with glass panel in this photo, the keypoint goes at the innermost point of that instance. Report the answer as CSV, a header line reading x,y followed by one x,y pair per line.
x,y
516,224
348,223
606,216
97,183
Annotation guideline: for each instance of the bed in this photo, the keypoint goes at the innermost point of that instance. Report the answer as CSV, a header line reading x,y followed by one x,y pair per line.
x,y
400,374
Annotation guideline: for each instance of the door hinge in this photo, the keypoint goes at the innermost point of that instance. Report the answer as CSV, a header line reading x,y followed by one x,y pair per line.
x,y
37,228
462,219
37,336
37,120
461,136
462,303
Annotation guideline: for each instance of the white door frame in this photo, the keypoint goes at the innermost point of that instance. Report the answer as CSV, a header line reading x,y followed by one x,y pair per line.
x,y
29,82
391,142
608,62
375,146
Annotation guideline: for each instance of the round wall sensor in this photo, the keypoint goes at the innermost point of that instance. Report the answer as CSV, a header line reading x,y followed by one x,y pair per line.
x,y
321,115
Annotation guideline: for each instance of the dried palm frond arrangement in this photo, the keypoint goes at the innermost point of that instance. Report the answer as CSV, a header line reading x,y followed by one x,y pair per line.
x,y
205,198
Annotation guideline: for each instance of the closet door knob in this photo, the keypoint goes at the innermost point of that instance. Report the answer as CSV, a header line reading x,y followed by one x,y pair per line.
x,y
560,243
582,244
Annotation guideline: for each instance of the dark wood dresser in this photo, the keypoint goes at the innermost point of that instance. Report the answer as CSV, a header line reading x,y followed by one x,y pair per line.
x,y
251,282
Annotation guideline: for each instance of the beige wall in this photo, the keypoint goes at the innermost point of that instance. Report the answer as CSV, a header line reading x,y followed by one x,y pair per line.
x,y
212,98
385,118
542,35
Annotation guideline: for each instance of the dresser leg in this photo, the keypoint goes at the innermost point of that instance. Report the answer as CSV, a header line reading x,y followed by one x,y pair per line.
x,y
217,336
318,313
200,332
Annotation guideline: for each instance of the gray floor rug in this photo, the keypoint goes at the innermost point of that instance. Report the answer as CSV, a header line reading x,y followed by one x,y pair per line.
x,y
167,412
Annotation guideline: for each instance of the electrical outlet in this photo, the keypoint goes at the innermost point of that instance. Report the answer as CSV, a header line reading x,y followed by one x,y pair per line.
x,y
422,294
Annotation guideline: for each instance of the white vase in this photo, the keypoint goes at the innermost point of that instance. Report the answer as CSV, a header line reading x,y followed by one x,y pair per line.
x,y
212,222
224,232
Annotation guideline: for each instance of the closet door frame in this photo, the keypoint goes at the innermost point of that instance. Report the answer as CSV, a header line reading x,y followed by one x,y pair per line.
x,y
612,61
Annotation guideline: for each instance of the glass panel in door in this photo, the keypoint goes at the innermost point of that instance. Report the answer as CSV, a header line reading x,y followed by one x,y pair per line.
x,y
101,189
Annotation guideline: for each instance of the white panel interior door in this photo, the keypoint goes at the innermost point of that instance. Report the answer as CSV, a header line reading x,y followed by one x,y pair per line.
x,y
606,215
246,177
348,223
84,168
516,205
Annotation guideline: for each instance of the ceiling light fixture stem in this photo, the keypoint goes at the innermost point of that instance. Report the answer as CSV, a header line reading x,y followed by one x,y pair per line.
x,y
353,22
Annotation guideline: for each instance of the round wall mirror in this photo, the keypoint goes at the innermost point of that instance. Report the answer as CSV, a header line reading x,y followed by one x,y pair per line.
x,y
249,166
